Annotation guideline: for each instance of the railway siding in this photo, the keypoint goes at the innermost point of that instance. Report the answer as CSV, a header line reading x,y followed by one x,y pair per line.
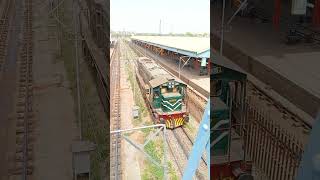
x,y
4,27
24,106
115,140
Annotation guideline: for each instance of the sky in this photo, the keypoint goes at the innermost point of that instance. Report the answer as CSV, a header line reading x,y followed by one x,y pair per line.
x,y
177,16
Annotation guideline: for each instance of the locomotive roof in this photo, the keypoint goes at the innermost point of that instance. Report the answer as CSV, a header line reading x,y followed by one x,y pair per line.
x,y
154,69
168,95
222,61
161,80
231,70
158,81
159,75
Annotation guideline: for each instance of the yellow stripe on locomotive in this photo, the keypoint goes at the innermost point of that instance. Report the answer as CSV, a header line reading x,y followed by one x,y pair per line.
x,y
174,122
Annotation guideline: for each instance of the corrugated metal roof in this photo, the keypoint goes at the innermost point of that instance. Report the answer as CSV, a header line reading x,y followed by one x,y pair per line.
x,y
222,61
154,69
191,46
158,81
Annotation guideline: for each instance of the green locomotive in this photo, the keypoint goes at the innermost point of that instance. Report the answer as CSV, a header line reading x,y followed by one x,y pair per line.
x,y
228,121
164,94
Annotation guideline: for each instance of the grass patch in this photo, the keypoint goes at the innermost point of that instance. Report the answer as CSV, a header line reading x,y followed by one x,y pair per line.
x,y
152,171
138,99
190,127
172,172
93,128
146,131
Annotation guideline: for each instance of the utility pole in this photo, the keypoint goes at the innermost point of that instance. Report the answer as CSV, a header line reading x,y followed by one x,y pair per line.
x,y
222,27
75,18
160,28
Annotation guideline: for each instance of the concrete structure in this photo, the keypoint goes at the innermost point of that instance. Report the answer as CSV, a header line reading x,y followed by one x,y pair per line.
x,y
291,70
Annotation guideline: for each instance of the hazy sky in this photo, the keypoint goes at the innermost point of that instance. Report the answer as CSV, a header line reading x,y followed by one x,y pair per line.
x,y
177,16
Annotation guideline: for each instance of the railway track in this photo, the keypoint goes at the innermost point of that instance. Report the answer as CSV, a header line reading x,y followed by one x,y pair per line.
x,y
179,141
186,144
179,157
187,135
115,116
4,27
180,145
24,106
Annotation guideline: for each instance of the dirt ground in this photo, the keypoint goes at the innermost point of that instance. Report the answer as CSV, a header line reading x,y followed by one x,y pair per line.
x,y
8,78
130,163
53,103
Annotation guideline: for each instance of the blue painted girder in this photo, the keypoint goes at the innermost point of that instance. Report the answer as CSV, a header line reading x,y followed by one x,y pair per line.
x,y
310,164
202,143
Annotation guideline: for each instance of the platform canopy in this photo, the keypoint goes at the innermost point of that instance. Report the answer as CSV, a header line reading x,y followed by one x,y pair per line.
x,y
198,47
223,68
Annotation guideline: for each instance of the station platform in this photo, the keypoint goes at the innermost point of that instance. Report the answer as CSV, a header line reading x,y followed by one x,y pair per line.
x,y
290,70
200,83
291,122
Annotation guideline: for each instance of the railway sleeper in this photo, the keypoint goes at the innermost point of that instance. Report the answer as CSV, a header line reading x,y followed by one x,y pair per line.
x,y
19,157
21,102
22,89
21,116
22,95
21,130
21,120
29,154
21,123
19,171
19,148
21,109
20,139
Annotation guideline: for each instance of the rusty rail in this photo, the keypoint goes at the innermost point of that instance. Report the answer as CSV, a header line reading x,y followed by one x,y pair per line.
x,y
4,26
24,107
115,170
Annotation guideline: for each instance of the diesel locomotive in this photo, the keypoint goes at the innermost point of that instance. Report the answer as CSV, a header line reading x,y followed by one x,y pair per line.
x,y
228,85
165,95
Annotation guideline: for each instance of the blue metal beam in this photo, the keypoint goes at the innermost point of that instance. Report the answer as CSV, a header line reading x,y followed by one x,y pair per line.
x,y
310,164
201,144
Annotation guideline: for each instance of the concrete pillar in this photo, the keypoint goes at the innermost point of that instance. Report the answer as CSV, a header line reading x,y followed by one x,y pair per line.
x,y
316,13
276,14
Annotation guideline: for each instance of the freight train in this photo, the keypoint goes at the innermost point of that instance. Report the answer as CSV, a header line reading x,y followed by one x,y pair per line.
x,y
228,158
165,95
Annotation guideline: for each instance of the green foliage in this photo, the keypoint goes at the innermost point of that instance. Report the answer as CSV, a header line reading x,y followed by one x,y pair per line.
x,y
155,150
172,172
92,128
138,99
189,34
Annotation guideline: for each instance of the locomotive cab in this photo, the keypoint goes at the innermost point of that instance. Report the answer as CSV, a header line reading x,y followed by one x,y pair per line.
x,y
228,157
165,94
